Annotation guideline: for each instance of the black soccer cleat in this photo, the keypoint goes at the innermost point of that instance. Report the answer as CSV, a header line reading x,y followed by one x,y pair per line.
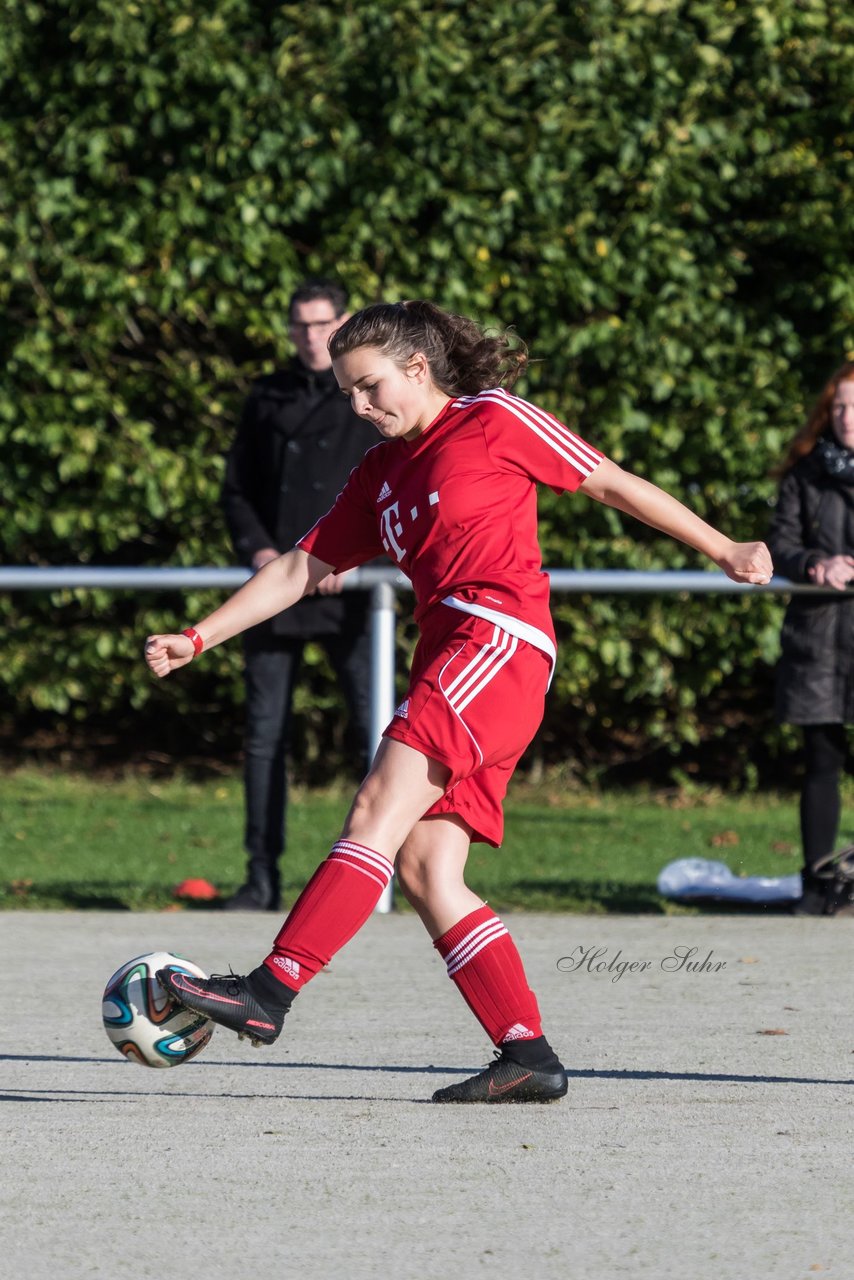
x,y
507,1081
226,999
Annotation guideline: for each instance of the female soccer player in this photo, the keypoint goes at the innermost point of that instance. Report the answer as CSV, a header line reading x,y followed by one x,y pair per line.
x,y
451,498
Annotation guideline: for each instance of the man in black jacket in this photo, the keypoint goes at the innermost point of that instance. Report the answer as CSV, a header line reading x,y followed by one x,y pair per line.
x,y
297,443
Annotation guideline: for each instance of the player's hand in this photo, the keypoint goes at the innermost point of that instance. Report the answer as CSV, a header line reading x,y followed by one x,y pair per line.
x,y
165,654
262,557
747,562
833,571
333,583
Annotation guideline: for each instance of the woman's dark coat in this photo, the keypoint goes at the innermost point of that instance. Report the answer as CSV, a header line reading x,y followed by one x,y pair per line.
x,y
814,518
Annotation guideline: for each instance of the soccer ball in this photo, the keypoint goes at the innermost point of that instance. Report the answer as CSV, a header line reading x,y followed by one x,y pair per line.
x,y
143,1023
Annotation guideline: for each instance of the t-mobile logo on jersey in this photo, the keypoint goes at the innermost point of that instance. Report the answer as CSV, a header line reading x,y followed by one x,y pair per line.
x,y
391,526
391,530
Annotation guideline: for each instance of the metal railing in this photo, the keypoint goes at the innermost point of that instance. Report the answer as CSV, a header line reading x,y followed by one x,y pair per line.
x,y
577,581
383,583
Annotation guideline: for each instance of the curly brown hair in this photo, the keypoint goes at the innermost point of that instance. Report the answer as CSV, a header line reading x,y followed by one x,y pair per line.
x,y
463,359
818,421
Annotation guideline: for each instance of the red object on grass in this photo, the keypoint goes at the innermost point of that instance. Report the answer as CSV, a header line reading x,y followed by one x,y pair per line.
x,y
197,890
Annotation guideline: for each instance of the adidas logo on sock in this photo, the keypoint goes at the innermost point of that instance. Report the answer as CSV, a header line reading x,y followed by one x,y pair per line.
x,y
403,709
385,492
287,965
518,1032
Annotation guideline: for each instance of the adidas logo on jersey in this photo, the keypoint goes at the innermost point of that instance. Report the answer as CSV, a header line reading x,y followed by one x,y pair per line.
x,y
403,709
385,492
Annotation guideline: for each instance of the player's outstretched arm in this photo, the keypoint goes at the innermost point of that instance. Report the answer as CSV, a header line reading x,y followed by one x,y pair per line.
x,y
741,561
274,588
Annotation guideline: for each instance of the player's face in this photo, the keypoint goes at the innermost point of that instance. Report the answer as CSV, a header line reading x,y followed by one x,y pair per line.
x,y
842,414
312,324
398,402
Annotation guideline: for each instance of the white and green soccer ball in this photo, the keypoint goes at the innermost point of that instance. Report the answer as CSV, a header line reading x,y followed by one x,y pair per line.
x,y
143,1023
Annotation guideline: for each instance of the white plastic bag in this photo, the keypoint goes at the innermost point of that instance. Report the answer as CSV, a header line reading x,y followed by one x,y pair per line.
x,y
688,878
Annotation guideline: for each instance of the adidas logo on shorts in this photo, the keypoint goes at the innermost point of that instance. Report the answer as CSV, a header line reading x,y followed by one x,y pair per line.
x,y
403,709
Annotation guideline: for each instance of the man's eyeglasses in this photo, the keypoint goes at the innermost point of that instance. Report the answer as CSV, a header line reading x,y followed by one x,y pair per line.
x,y
316,326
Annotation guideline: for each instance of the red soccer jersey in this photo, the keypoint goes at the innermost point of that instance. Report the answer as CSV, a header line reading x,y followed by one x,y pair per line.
x,y
456,508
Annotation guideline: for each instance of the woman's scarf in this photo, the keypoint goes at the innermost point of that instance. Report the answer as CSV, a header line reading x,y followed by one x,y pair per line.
x,y
836,461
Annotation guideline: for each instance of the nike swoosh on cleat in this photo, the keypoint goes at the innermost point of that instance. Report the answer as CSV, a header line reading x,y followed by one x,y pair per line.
x,y
195,991
511,1084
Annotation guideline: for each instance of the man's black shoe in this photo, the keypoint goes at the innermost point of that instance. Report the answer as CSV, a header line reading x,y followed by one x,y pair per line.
x,y
253,897
816,892
507,1081
226,999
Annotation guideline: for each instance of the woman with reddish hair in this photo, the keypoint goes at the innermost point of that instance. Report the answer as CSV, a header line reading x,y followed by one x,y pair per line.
x,y
812,540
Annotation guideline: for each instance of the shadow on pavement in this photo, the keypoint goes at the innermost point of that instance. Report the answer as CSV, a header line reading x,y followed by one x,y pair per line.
x,y
705,1077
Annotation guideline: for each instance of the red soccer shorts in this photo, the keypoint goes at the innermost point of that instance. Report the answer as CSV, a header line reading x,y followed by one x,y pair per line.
x,y
475,701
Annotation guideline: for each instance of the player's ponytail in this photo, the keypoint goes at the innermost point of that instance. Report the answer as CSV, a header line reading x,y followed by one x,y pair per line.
x,y
463,359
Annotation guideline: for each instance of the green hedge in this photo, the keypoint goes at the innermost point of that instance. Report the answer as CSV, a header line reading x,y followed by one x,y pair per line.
x,y
657,194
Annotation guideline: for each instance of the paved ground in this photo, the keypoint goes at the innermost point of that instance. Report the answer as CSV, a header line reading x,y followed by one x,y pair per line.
x,y
690,1145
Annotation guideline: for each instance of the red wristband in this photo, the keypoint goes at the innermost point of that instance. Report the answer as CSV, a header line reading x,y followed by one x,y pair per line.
x,y
198,643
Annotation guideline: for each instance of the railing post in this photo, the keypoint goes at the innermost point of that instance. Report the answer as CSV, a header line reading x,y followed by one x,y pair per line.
x,y
383,622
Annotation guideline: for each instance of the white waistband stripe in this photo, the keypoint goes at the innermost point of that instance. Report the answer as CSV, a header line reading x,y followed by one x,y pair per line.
x,y
515,626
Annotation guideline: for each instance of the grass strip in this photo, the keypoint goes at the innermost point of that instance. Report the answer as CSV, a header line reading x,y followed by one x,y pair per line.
x,y
77,842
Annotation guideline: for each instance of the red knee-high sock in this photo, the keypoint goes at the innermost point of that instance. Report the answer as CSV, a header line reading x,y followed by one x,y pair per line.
x,y
332,907
483,962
